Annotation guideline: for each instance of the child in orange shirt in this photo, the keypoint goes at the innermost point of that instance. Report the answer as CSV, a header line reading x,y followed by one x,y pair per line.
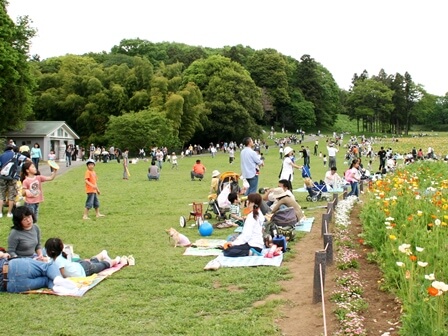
x,y
92,190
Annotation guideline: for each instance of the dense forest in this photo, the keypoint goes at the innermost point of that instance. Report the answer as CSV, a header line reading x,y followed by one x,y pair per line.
x,y
143,93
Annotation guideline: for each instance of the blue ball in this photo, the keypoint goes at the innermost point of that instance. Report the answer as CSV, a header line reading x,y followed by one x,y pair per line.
x,y
206,229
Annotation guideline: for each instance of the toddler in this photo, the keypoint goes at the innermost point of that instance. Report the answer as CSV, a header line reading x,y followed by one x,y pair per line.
x,y
235,210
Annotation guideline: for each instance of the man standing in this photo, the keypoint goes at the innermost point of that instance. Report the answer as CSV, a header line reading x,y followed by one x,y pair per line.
x,y
249,162
332,150
382,155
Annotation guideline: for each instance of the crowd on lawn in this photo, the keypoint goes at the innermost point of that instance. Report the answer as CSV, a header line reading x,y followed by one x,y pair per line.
x,y
25,264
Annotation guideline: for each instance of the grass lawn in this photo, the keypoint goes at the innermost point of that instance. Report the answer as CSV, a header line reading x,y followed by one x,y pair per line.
x,y
166,293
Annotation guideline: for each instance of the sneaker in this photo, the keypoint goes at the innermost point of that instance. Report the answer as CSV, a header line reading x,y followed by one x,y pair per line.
x,y
212,265
100,215
131,260
85,217
9,215
124,260
117,259
104,255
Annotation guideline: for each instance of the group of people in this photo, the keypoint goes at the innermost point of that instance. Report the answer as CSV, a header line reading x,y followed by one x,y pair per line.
x,y
25,264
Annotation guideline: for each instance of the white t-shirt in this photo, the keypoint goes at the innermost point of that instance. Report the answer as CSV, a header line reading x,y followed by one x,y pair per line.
x,y
332,151
287,169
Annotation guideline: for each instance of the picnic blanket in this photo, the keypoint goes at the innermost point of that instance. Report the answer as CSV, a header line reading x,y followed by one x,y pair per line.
x,y
307,223
250,261
83,284
205,247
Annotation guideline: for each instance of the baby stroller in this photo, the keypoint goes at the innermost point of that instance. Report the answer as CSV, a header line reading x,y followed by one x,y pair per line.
x,y
315,190
213,208
227,178
218,204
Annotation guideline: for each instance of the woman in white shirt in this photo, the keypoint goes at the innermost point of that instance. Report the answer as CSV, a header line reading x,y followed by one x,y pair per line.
x,y
287,172
250,241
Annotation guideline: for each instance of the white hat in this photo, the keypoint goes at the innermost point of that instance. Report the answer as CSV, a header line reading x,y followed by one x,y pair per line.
x,y
216,173
287,150
279,192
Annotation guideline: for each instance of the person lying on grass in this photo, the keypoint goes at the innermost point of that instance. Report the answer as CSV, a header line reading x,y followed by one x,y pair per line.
x,y
81,268
25,274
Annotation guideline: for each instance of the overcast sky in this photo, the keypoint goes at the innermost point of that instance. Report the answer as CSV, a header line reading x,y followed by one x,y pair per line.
x,y
345,36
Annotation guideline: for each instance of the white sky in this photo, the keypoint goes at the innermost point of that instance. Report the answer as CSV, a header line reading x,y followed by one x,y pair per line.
x,y
345,36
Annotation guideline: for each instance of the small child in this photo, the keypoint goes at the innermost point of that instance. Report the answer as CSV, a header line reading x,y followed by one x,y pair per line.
x,y
81,268
215,182
32,186
92,190
173,160
325,160
235,210
51,157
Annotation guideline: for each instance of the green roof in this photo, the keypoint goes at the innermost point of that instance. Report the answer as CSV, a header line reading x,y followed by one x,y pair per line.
x,y
41,129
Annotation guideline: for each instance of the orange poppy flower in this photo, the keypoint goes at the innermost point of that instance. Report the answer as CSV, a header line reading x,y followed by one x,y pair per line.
x,y
433,291
413,258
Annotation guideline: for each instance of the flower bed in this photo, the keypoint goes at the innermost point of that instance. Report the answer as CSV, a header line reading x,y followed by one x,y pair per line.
x,y
405,221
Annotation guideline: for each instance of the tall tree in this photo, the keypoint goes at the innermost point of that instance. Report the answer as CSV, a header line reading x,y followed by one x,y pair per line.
x,y
16,80
230,94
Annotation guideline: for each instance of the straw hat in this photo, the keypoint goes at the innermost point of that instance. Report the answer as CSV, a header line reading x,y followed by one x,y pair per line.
x,y
287,150
279,192
216,173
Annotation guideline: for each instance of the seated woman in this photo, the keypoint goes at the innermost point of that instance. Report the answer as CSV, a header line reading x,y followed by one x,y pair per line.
x,y
25,274
24,238
250,241
81,268
284,200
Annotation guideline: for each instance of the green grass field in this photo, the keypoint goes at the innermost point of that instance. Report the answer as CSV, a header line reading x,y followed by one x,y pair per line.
x,y
166,293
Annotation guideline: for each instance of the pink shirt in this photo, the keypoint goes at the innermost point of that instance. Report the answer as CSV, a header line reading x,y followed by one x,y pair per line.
x,y
33,188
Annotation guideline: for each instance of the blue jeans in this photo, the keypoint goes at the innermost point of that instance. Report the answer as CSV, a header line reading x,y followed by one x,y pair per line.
x,y
35,162
152,177
253,185
354,191
94,266
34,207
27,274
92,201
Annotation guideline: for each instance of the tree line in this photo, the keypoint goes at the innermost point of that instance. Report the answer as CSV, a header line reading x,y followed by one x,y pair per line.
x,y
142,94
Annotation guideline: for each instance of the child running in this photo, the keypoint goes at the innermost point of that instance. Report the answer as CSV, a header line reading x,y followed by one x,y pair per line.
x,y
32,186
92,190
81,268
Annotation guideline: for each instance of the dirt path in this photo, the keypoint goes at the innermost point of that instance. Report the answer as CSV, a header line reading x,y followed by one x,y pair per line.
x,y
303,318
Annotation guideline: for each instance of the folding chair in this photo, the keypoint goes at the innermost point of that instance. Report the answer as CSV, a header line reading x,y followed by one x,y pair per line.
x,y
196,213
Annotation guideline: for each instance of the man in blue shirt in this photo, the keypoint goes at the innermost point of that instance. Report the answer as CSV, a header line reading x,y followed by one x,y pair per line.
x,y
249,161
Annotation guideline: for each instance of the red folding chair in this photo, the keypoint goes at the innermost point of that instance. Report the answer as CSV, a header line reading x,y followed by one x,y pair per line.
x,y
196,213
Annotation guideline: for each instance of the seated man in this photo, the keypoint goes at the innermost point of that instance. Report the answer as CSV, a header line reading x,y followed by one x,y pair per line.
x,y
153,172
198,171
332,179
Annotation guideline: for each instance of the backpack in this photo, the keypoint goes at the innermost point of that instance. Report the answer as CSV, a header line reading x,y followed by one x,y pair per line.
x,y
288,232
285,217
10,169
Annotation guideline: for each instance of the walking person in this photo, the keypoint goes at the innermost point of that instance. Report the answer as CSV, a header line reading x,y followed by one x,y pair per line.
x,y
249,164
125,164
332,151
36,155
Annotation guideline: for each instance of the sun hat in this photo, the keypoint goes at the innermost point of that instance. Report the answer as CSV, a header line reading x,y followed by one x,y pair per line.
x,y
287,150
279,192
90,161
215,173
